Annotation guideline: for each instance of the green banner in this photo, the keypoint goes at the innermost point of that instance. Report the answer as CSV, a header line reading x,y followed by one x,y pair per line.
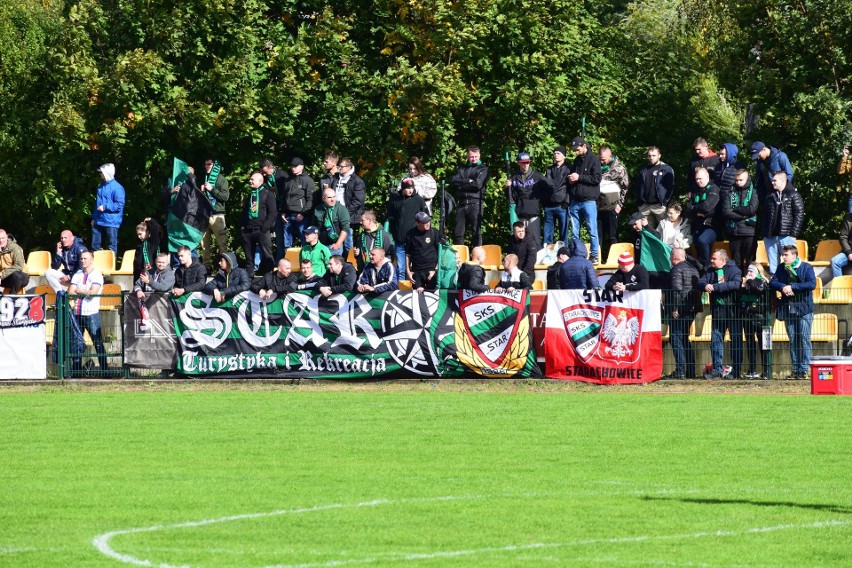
x,y
399,334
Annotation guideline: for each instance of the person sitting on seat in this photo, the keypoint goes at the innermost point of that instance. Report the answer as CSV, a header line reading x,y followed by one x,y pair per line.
x,y
229,281
379,276
512,278
190,275
13,267
279,282
66,261
471,274
340,277
630,277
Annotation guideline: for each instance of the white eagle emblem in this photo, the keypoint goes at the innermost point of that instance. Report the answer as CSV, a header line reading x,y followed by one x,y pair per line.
x,y
621,333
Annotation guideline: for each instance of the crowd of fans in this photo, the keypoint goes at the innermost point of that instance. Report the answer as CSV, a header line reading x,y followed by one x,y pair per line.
x,y
328,219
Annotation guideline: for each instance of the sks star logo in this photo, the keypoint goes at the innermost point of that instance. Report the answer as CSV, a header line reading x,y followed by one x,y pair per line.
x,y
583,326
492,332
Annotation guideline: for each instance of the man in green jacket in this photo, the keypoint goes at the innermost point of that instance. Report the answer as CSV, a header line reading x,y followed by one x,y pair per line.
x,y
332,219
314,251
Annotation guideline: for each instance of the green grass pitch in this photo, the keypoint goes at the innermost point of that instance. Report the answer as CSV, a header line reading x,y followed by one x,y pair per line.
x,y
322,478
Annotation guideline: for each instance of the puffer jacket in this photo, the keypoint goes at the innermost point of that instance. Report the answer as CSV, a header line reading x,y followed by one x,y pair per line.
x,y
727,292
726,172
472,277
684,297
229,283
469,182
191,278
783,213
739,211
577,273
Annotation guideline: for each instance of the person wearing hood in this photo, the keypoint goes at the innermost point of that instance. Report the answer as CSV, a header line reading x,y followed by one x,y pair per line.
x,y
682,301
769,160
728,166
584,188
66,261
756,313
471,274
402,208
109,210
703,212
258,219
739,211
562,255
704,158
512,278
424,184
723,281
783,217
351,192
524,247
796,281
379,276
577,273
280,282
229,281
526,188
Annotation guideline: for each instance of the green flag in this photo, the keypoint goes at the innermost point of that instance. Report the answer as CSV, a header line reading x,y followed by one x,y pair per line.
x,y
189,211
655,254
447,266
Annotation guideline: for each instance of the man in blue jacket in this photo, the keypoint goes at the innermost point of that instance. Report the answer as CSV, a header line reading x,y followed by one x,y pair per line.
x,y
109,210
723,281
795,280
577,273
66,261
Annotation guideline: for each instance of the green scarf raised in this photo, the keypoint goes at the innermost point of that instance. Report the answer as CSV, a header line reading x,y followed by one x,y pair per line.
x,y
791,269
211,179
254,203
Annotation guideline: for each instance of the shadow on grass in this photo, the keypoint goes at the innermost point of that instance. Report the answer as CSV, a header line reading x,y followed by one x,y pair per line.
x,y
707,501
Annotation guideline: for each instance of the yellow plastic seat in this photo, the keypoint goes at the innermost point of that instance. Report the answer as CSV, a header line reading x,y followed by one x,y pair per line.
x,y
761,255
825,251
110,297
405,285
614,252
539,285
838,291
493,257
292,254
802,247
38,262
463,252
127,260
50,295
104,261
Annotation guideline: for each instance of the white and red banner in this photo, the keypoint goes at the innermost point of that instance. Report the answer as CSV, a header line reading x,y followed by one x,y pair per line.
x,y
604,337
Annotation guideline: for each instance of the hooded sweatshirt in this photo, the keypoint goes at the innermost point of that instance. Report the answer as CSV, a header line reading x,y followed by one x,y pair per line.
x,y
577,273
726,171
111,198
229,283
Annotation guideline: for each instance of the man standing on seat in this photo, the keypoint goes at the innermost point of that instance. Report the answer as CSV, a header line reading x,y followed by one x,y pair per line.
x,y
526,188
654,187
109,210
783,218
351,193
217,191
258,219
556,198
795,280
295,203
421,254
584,188
469,183
86,285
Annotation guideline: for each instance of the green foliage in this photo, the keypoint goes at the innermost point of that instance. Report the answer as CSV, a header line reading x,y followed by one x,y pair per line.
x,y
136,83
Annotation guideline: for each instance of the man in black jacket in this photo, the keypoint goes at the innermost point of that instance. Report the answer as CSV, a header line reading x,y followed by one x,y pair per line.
x,y
562,255
783,217
681,307
190,275
584,188
307,279
630,277
229,281
526,189
702,211
351,193
469,183
723,281
556,198
280,281
217,191
402,208
654,187
258,219
844,257
524,247
295,202
471,274
421,254
739,211
704,158
341,277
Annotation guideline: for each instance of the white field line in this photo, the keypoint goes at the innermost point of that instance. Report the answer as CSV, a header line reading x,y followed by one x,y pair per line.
x,y
102,542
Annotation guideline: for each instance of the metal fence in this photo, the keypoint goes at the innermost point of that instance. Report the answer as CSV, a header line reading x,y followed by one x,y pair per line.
x,y
752,345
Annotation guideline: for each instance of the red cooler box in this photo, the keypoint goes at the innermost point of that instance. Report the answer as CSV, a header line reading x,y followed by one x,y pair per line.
x,y
831,375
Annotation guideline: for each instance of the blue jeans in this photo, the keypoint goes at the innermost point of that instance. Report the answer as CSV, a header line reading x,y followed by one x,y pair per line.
x,y
551,214
684,354
773,250
838,261
849,205
400,261
704,237
726,317
111,234
287,234
799,332
92,324
588,211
